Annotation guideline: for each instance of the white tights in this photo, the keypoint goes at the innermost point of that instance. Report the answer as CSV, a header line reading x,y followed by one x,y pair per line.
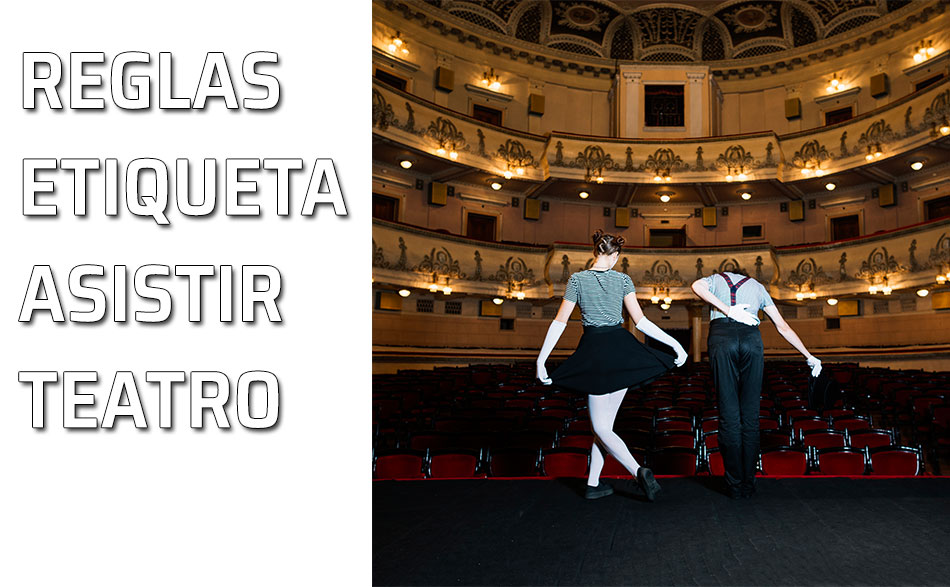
x,y
603,412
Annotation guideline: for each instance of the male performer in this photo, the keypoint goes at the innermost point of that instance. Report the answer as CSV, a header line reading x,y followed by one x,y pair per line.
x,y
735,353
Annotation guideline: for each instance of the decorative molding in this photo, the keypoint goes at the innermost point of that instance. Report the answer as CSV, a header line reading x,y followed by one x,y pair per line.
x,y
484,93
393,61
851,92
917,70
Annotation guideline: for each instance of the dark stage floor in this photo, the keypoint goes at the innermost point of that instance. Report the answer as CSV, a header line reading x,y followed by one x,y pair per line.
x,y
831,531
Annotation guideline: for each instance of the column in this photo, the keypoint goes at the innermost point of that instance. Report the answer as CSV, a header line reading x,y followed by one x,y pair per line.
x,y
695,310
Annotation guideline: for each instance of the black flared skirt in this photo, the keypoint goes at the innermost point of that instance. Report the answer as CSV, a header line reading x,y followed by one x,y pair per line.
x,y
609,358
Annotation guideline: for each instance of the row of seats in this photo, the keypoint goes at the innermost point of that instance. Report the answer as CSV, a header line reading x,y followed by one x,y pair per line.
x,y
567,461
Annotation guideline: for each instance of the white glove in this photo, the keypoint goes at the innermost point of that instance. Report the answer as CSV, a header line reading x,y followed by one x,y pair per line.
x,y
815,365
653,331
550,340
739,314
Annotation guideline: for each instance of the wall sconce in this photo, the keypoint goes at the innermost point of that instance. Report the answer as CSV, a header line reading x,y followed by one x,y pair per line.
x,y
490,80
662,176
924,51
397,46
835,85
874,152
943,128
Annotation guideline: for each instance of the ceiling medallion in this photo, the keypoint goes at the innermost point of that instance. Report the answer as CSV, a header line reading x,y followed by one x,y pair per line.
x,y
581,17
751,18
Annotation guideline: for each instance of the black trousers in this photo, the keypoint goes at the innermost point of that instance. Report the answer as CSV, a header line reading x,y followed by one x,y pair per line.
x,y
735,352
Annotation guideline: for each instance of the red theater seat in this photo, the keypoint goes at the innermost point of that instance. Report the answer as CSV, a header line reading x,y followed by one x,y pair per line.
x,y
513,463
671,438
841,461
894,460
576,440
565,462
455,464
824,438
674,461
399,465
870,438
714,461
784,461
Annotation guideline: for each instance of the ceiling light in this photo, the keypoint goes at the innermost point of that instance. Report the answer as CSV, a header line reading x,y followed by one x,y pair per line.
x,y
508,174
917,165
405,163
583,195
923,292
665,306
497,301
664,198
746,195
832,301
495,185
404,293
830,186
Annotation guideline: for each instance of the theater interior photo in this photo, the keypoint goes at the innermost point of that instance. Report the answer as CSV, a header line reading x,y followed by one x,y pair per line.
x,y
804,144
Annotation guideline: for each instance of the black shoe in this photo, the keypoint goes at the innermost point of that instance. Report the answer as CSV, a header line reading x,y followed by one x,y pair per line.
x,y
734,493
647,483
747,492
602,490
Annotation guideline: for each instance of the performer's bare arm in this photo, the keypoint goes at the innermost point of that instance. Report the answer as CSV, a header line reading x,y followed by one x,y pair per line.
x,y
565,311
786,331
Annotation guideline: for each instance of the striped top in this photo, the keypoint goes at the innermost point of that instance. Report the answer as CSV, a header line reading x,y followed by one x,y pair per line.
x,y
600,295
751,292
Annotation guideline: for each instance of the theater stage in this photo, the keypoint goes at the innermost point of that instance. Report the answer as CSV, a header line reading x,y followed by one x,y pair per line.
x,y
795,531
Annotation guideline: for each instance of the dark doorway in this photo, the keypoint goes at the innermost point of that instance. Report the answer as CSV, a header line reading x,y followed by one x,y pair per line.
x,y
928,82
385,208
839,115
667,237
663,105
480,227
845,227
937,208
390,79
486,114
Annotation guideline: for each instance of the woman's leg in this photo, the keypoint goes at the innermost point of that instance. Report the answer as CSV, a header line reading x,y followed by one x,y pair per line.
x,y
603,412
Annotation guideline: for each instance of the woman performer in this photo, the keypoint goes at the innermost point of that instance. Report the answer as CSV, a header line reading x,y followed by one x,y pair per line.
x,y
609,360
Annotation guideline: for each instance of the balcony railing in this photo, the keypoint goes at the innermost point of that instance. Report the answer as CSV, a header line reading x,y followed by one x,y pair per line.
x,y
910,257
904,125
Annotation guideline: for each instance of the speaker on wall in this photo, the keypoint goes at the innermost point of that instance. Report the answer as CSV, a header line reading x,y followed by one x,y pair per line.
x,y
709,216
879,86
887,195
536,104
444,79
622,218
438,193
796,210
793,108
532,209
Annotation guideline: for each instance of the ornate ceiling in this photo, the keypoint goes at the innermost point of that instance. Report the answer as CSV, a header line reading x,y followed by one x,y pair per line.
x,y
639,30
